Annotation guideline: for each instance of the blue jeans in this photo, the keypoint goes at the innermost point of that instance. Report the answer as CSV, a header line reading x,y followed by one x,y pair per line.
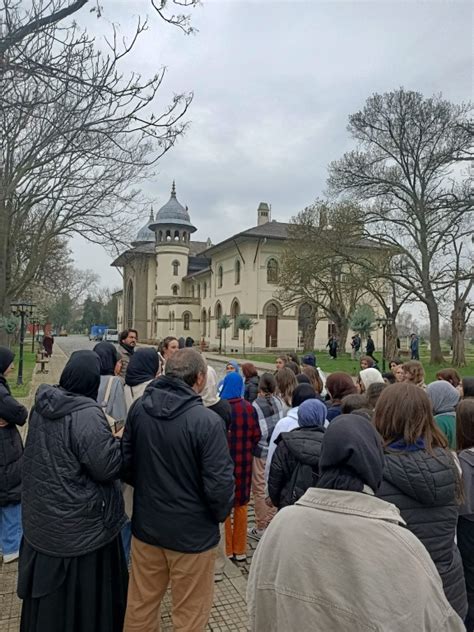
x,y
10,529
126,534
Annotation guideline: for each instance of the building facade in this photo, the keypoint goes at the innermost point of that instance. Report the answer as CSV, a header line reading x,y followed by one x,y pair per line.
x,y
176,286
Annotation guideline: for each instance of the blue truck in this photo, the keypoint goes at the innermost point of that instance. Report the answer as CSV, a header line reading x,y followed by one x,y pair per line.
x,y
97,332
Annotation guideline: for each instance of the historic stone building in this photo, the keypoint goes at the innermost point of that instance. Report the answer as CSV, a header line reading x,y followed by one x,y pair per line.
x,y
176,286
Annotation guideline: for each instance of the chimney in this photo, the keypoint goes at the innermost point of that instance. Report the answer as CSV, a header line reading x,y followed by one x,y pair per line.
x,y
263,213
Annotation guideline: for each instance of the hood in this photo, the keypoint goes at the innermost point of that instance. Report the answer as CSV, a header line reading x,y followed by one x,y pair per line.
x,y
53,402
169,397
444,397
304,444
430,479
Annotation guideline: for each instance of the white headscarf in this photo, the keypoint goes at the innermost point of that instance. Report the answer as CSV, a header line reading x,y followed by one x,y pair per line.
x,y
371,376
209,393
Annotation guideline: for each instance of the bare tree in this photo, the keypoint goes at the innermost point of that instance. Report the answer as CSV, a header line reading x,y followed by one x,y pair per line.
x,y
404,171
75,148
463,303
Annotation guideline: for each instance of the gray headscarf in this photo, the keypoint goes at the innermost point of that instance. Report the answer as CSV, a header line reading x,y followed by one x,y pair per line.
x,y
444,397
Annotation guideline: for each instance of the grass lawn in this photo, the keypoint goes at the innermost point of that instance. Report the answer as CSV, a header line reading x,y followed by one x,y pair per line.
x,y
344,362
29,362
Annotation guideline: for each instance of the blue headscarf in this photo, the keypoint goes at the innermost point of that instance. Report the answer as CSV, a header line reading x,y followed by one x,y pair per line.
x,y
232,386
312,412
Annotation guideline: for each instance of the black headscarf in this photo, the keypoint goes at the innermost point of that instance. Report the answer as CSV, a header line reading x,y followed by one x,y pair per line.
x,y
81,375
143,366
351,455
108,356
303,379
301,393
6,358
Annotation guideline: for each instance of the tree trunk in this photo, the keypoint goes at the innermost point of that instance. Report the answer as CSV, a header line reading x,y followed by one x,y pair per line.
x,y
458,330
308,334
342,330
436,356
243,339
391,335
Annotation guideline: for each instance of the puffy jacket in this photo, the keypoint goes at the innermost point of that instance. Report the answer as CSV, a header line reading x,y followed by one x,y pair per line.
x,y
251,388
424,487
11,446
72,503
176,457
295,465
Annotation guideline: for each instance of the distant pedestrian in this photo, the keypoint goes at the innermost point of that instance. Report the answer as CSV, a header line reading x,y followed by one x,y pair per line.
x,y
355,346
12,414
48,343
370,347
333,346
251,381
176,457
72,569
128,339
414,347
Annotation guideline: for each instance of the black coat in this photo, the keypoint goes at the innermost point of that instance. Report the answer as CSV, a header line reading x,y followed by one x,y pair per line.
x,y
177,458
72,502
11,446
251,388
295,465
424,487
224,410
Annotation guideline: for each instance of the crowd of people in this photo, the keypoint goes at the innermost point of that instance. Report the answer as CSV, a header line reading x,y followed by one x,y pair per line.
x,y
139,467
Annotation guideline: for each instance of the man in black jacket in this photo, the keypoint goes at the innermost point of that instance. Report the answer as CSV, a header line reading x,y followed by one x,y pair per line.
x,y
176,456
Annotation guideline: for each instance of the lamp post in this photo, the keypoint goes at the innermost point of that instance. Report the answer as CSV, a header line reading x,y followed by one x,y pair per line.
x,y
21,309
382,322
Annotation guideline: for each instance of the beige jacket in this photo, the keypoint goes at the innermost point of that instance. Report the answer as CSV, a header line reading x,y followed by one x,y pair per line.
x,y
341,561
134,392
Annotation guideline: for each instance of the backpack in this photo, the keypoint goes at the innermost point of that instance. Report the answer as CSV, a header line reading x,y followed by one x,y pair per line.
x,y
303,478
111,421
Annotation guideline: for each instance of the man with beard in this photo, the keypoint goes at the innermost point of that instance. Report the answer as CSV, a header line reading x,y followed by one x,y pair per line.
x,y
127,342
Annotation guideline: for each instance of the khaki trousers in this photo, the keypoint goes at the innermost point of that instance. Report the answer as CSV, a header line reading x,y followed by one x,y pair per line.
x,y
192,588
263,513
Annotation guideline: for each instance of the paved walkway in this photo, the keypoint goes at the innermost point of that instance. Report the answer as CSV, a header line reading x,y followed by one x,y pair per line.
x,y
229,611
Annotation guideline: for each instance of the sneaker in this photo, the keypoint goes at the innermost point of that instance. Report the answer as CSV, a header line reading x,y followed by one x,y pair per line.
x,y
218,577
255,533
10,557
240,558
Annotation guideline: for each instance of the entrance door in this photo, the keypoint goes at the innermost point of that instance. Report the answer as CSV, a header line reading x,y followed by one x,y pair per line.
x,y
271,331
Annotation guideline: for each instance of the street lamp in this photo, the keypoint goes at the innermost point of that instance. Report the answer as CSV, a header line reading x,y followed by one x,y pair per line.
x,y
21,309
382,322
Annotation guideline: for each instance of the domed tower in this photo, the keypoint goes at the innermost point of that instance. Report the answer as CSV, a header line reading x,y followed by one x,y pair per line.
x,y
172,228
145,235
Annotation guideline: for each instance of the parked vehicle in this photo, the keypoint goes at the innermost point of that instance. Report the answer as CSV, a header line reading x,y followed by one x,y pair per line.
x,y
111,335
97,332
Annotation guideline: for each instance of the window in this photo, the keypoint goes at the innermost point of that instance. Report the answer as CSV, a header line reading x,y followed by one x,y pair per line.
x,y
205,289
234,314
192,291
175,290
220,274
175,265
186,320
218,312
331,329
237,272
272,271
199,290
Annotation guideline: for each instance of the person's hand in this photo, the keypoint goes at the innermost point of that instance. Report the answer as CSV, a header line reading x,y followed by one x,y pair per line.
x,y
3,423
119,433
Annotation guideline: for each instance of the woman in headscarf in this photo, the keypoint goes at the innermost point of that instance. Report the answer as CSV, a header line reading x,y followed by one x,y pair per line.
x,y
12,414
142,369
295,464
243,435
422,479
338,385
444,399
111,395
368,377
369,573
72,569
231,367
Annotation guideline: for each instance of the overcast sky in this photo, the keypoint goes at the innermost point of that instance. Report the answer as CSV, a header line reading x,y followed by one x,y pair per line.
x,y
274,84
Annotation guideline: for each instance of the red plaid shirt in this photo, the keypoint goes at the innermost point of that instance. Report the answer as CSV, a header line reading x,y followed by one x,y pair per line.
x,y
243,435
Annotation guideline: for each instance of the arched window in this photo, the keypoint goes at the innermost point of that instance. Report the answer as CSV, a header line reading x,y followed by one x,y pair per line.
x,y
186,320
160,236
272,271
168,235
199,290
218,314
220,274
204,289
176,235
271,329
193,291
170,319
130,304
175,290
234,314
209,323
175,265
237,272
203,322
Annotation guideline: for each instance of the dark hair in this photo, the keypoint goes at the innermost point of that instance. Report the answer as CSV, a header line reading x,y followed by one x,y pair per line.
x,y
396,361
468,387
404,411
314,378
370,361
389,377
249,370
293,367
124,334
373,393
286,384
351,403
293,357
339,385
165,343
449,375
465,424
301,378
267,384
186,364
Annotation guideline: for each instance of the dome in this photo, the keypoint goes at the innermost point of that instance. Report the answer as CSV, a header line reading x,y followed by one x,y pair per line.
x,y
174,213
145,235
